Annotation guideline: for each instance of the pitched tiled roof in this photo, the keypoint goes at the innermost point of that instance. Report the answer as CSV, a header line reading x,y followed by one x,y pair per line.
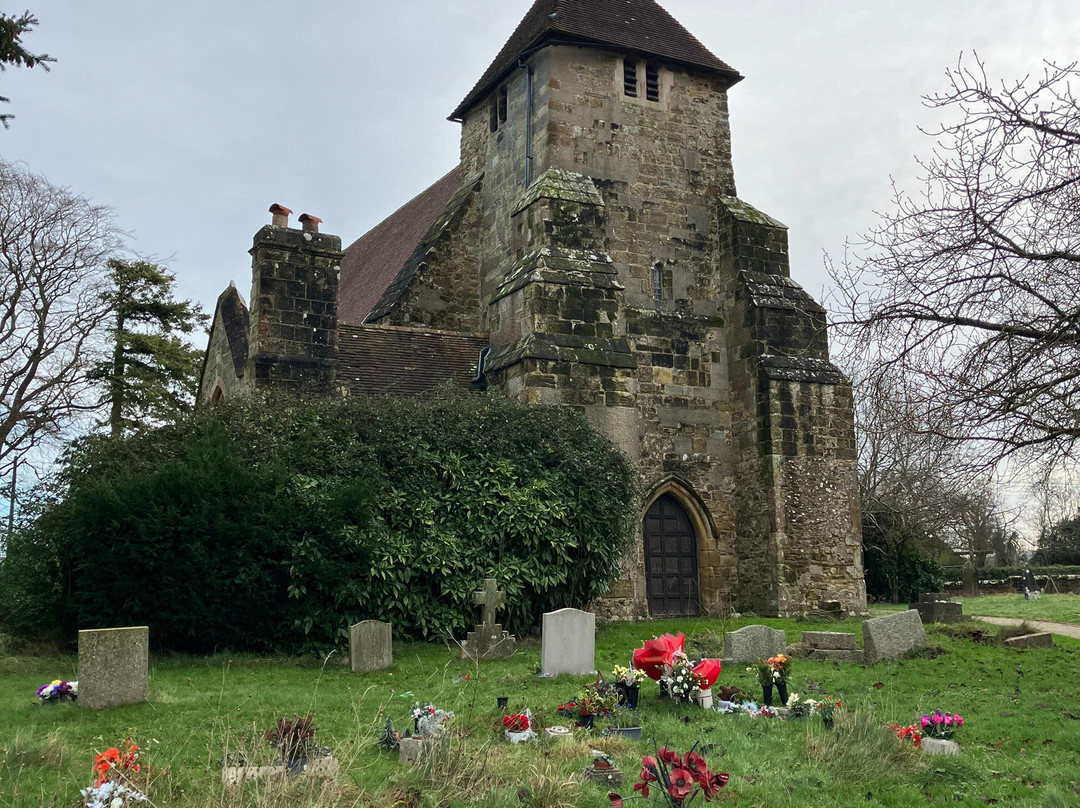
x,y
376,359
641,26
373,261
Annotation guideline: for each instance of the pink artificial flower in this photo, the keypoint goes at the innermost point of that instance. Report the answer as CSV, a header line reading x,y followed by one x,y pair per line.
x,y
937,717
925,721
958,721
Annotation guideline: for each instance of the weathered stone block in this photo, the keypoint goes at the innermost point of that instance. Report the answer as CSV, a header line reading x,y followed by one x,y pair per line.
x,y
113,666
892,636
370,646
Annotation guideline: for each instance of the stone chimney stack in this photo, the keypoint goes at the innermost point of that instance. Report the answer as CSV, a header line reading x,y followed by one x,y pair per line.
x,y
294,299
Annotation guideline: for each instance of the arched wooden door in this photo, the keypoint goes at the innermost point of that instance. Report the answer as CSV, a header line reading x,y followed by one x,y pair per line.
x,y
671,565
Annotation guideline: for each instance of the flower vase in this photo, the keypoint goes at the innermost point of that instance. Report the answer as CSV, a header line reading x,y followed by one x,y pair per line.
x,y
781,689
663,689
501,702
828,722
766,695
704,698
587,720
295,766
628,695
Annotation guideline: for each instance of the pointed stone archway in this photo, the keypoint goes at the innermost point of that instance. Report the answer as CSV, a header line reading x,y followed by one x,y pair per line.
x,y
673,528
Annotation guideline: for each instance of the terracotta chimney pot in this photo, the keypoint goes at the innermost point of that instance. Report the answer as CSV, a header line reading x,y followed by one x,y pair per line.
x,y
310,223
280,215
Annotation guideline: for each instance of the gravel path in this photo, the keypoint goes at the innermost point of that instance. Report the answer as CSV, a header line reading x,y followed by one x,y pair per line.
x,y
1064,629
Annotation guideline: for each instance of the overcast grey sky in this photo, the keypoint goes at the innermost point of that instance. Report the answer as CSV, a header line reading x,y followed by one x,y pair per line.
x,y
190,119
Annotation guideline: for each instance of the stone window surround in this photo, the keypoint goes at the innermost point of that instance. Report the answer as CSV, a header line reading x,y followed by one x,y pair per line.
x,y
498,109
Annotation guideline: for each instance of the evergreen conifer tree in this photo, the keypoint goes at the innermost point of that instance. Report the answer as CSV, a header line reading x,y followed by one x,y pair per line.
x,y
152,373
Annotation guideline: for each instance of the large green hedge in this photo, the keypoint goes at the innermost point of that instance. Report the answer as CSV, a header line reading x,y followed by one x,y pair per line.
x,y
270,524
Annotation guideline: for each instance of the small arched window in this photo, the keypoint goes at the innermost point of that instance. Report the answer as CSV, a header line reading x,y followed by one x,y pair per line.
x,y
219,395
658,282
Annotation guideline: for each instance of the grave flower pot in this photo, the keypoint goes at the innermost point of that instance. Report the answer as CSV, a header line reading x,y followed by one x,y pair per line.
x,y
630,733
704,698
766,695
502,701
628,694
828,722
939,746
781,689
588,720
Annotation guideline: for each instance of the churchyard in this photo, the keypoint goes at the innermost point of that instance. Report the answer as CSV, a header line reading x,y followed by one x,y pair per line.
x,y
1020,739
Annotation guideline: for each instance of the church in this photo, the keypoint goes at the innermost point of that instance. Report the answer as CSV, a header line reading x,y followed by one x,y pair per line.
x,y
590,250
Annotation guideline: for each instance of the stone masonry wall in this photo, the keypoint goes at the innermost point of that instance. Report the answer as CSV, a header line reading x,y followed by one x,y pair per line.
x,y
219,371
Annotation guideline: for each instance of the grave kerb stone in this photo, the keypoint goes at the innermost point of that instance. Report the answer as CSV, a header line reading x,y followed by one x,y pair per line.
x,y
829,640
1042,639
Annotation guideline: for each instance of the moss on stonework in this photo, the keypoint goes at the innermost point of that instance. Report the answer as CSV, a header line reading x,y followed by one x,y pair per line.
x,y
563,185
745,212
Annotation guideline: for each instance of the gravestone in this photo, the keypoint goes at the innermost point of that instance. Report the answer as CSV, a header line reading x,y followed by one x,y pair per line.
x,y
488,640
568,643
822,646
971,580
113,666
751,643
935,607
1031,586
370,646
893,636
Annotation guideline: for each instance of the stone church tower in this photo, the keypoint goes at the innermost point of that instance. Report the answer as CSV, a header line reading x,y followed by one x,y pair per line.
x,y
590,250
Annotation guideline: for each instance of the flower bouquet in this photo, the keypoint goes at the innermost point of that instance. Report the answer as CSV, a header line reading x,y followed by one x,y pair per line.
x,y
774,672
295,741
429,721
518,727
676,780
628,685
940,725
113,770
57,691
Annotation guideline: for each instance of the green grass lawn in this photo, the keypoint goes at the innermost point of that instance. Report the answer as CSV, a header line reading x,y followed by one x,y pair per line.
x,y
1021,738
1057,608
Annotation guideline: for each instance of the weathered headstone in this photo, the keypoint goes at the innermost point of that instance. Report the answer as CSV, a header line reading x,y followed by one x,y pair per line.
x,y
114,666
568,643
752,643
488,640
971,580
935,607
821,646
1043,639
370,646
893,636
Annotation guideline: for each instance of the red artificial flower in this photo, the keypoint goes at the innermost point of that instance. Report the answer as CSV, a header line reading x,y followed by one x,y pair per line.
x,y
707,672
616,800
516,723
654,654
681,784
712,782
643,788
696,765
670,758
648,769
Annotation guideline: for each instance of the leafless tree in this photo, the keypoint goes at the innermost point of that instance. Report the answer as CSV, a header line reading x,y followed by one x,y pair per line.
x,y
53,248
969,293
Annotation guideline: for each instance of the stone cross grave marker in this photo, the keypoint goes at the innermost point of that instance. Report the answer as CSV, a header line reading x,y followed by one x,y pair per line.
x,y
488,640
568,643
491,599
113,666
971,580
370,646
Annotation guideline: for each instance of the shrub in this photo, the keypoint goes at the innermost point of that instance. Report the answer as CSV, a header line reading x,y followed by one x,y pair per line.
x,y
272,523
